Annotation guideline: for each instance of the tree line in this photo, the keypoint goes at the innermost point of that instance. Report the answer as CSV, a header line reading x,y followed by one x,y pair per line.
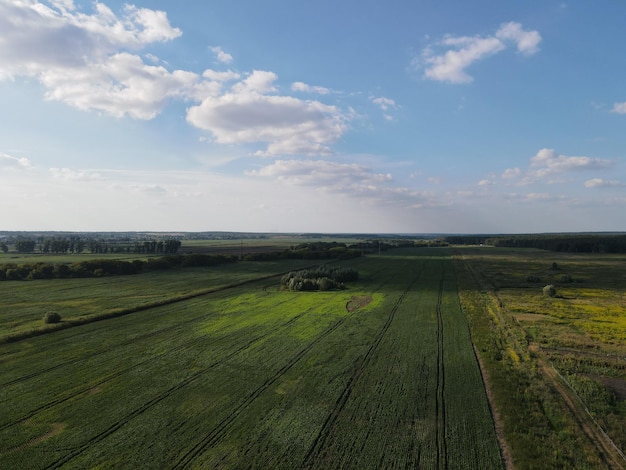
x,y
312,251
77,245
106,267
572,243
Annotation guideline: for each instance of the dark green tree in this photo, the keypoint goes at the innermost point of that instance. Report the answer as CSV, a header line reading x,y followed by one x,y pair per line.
x,y
25,246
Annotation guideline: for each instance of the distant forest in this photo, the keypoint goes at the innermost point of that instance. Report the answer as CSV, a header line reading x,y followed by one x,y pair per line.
x,y
78,244
571,243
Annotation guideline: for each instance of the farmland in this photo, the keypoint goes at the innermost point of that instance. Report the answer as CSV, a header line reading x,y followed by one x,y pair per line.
x,y
379,375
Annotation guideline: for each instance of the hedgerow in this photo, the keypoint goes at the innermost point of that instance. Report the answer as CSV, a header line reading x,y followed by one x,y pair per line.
x,y
106,267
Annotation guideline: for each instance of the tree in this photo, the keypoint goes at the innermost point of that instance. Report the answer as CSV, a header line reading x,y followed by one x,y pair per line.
x,y
549,291
25,246
4,247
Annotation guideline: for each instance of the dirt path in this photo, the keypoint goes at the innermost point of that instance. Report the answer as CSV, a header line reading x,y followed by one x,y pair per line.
x,y
606,448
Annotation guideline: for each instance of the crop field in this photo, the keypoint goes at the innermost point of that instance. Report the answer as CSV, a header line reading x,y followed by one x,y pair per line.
x,y
558,361
380,375
23,304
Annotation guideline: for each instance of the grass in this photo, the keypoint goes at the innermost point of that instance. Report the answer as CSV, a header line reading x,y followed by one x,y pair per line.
x,y
256,377
580,333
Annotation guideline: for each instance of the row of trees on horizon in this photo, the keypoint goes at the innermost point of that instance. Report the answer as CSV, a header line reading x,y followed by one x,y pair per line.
x,y
571,243
78,245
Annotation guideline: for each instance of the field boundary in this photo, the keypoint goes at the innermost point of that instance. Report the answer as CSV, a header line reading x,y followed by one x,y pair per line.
x,y
498,423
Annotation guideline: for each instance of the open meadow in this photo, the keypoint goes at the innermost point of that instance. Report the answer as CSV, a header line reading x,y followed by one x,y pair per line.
x,y
556,360
379,375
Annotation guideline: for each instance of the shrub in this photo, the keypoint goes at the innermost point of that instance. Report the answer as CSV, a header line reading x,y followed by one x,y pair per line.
x,y
51,317
549,291
533,279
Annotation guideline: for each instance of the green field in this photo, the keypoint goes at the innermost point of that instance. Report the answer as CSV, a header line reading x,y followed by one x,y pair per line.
x,y
380,375
24,304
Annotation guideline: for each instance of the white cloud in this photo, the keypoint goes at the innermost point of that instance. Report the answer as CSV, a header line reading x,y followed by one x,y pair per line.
x,y
303,87
348,179
385,103
222,56
549,167
259,81
68,174
462,51
220,76
322,173
58,36
121,85
527,41
152,58
547,161
619,108
511,173
601,183
249,113
9,161
80,58
450,67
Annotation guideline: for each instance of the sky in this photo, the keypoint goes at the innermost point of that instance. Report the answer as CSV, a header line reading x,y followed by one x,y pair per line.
x,y
359,116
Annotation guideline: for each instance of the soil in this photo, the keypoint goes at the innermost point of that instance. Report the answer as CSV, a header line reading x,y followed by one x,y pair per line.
x,y
357,302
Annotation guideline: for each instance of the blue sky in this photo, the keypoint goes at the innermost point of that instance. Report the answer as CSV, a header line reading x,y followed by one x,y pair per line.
x,y
352,116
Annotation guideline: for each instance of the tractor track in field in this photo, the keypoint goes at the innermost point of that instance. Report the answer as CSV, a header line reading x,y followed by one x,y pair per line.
x,y
75,452
440,402
314,452
102,381
95,353
123,371
73,323
218,432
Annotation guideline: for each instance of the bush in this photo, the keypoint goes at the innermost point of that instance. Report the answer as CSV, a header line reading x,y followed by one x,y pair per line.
x,y
549,291
533,279
51,317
